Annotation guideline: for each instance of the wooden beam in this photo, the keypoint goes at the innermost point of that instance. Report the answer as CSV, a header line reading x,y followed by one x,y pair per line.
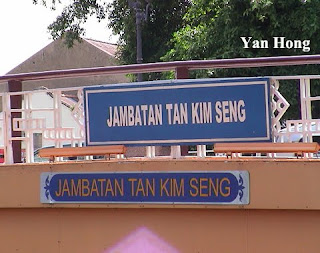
x,y
298,148
52,153
167,66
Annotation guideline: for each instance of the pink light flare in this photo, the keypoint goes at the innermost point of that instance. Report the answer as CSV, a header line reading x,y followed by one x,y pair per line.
x,y
142,240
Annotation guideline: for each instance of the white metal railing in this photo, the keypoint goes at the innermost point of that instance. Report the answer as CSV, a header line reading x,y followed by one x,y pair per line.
x,y
49,114
52,118
306,127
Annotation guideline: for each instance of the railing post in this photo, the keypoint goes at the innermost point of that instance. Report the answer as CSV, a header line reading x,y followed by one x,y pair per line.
x,y
57,119
181,73
29,142
308,101
151,151
7,129
305,106
16,103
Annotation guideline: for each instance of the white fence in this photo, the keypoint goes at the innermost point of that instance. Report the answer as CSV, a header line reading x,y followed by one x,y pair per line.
x,y
56,118
48,118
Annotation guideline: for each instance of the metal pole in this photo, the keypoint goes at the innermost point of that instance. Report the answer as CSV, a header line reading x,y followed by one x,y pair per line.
x,y
178,151
139,16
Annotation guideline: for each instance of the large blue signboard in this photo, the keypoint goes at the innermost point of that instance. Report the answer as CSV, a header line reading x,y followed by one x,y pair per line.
x,y
178,112
223,187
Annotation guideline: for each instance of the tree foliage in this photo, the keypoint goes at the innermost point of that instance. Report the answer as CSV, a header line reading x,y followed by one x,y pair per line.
x,y
69,24
205,29
163,19
214,28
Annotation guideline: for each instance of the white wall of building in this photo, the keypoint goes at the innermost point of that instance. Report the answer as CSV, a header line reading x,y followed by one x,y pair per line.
x,y
42,109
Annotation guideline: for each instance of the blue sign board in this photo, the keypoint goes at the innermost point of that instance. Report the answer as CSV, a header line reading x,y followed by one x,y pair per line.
x,y
223,187
176,112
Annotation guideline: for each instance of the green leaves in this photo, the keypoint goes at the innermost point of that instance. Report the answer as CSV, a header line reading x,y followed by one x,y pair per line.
x,y
202,29
69,23
214,27
164,18
44,3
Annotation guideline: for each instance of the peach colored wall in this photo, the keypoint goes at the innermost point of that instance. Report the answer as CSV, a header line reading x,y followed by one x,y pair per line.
x,y
274,184
283,215
55,230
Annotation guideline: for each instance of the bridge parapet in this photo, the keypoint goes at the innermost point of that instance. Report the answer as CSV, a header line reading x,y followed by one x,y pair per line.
x,y
55,118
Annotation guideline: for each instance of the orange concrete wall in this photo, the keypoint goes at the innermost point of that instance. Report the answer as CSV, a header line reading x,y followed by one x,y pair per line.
x,y
283,215
186,230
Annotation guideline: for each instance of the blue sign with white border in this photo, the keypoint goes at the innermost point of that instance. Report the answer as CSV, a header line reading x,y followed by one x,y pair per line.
x,y
219,187
177,112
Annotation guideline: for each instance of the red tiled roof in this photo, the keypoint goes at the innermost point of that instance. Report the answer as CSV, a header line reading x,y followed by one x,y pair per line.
x,y
109,48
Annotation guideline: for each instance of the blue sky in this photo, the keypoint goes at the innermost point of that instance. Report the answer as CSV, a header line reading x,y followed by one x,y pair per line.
x,y
23,31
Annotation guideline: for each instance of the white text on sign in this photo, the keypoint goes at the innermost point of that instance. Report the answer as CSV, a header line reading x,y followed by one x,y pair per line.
x,y
176,114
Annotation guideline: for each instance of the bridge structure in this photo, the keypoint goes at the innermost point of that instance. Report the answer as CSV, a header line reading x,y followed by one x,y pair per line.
x,y
194,200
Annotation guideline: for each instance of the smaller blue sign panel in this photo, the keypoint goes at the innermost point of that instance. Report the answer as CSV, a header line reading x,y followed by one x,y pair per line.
x,y
223,187
178,112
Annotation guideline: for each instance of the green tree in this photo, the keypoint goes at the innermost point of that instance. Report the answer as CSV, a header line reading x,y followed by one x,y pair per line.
x,y
215,27
69,24
163,19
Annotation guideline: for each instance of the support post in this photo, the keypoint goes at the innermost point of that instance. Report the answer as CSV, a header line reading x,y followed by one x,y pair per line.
x,y
16,103
183,73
